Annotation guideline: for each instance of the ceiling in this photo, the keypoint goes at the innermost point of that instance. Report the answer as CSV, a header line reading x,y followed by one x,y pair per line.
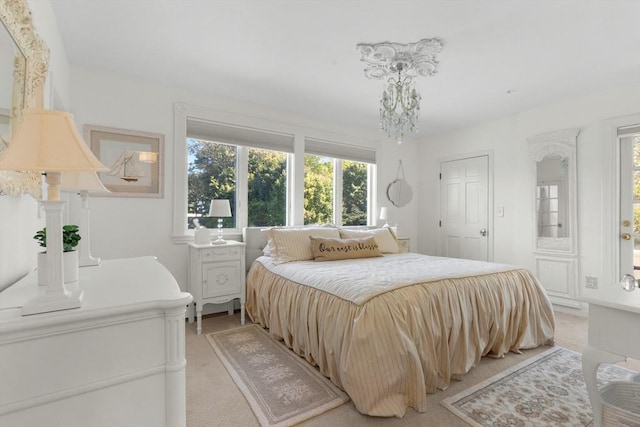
x,y
300,56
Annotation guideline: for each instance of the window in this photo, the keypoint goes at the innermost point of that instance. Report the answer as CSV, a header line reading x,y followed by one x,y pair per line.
x,y
355,181
337,187
267,188
261,169
320,183
212,172
318,189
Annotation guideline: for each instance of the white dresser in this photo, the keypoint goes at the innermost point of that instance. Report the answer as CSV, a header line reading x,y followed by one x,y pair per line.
x,y
614,335
216,275
118,361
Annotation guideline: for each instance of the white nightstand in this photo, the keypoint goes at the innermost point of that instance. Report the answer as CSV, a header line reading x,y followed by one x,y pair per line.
x,y
216,275
405,244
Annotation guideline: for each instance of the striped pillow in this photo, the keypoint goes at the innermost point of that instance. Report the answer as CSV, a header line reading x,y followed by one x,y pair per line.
x,y
384,236
293,244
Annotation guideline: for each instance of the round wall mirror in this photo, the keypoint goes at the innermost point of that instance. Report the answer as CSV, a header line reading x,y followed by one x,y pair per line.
x,y
399,193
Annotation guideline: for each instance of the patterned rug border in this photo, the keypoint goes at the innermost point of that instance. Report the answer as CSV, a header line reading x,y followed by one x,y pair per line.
x,y
449,402
256,407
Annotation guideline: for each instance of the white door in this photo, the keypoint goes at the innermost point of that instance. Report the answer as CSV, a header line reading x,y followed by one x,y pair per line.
x,y
464,204
630,204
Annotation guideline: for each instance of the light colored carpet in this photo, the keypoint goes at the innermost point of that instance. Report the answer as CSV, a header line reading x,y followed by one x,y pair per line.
x,y
281,388
214,400
544,390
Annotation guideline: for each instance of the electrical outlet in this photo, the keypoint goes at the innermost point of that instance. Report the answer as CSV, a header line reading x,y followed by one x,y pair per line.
x,y
592,282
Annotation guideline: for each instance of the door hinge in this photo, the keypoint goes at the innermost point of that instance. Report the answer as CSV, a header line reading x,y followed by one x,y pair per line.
x,y
440,176
439,223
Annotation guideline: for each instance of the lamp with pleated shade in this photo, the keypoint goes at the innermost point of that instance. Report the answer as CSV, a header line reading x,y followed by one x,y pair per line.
x,y
83,183
48,141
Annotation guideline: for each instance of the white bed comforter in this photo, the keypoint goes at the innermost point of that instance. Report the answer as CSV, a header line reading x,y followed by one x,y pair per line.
x,y
359,280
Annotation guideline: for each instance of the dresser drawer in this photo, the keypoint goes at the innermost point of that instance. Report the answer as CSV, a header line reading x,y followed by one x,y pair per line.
x,y
222,253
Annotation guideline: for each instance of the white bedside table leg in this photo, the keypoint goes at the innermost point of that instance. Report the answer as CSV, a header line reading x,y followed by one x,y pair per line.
x,y
242,312
199,319
230,309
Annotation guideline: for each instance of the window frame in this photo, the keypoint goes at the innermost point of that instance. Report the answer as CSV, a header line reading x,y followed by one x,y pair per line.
x,y
295,166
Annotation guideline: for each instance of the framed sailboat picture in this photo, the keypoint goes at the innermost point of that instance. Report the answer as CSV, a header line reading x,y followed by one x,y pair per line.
x,y
135,160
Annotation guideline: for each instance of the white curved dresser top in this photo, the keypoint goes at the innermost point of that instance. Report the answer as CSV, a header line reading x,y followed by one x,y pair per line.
x,y
114,287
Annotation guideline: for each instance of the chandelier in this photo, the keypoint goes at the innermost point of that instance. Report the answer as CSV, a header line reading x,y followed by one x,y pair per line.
x,y
400,102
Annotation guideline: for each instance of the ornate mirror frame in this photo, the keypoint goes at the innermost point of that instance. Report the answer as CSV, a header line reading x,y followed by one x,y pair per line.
x,y
563,145
28,79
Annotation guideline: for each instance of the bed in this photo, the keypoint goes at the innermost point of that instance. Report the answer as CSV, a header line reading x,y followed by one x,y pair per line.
x,y
390,329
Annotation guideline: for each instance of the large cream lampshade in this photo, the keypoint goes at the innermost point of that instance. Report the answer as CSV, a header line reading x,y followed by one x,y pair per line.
x,y
48,141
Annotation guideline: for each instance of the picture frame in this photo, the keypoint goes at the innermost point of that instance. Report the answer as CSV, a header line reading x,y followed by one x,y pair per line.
x,y
135,159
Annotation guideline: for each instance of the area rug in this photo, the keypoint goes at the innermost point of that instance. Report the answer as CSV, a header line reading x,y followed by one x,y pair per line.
x,y
281,388
547,390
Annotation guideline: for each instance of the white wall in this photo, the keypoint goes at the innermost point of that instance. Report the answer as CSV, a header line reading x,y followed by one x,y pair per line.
x,y
128,227
123,227
19,215
507,137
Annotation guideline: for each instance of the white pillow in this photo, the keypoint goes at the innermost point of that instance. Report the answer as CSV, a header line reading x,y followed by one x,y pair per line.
x,y
385,238
293,244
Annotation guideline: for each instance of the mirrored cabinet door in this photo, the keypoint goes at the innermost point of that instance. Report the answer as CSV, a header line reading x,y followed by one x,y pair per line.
x,y
555,228
554,190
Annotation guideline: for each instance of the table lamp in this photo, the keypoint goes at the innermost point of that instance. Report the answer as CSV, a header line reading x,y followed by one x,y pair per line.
x,y
219,209
384,215
82,183
48,141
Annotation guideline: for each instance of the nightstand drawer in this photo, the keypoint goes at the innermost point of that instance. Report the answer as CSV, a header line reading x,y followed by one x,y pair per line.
x,y
230,253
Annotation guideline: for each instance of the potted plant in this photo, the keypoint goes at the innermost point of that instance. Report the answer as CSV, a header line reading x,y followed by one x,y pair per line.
x,y
70,239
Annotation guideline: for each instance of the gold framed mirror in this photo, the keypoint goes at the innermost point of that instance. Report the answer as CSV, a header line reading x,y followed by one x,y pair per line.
x,y
27,59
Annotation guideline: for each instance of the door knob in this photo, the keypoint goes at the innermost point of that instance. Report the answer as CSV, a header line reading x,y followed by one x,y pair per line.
x,y
629,282
626,236
483,232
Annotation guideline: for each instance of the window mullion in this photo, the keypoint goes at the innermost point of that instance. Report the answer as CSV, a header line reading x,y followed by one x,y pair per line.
x,y
337,191
242,188
372,185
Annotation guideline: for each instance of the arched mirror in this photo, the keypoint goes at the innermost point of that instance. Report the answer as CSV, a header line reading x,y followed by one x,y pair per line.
x,y
554,189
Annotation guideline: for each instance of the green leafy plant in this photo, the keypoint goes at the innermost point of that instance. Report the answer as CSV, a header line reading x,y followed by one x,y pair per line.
x,y
70,237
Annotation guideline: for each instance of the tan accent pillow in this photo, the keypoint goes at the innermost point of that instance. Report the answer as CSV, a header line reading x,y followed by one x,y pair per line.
x,y
293,244
384,236
335,249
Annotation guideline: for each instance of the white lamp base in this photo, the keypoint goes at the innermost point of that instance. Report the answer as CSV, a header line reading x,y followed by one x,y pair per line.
x,y
49,302
219,242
